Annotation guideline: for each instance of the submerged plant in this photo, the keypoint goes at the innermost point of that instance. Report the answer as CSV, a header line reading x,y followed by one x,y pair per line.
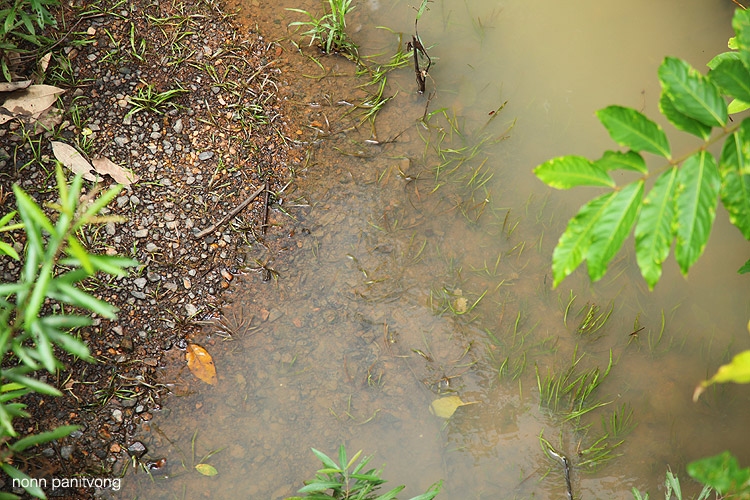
x,y
329,31
347,481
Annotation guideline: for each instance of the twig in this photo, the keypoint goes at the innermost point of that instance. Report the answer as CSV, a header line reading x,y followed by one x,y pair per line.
x,y
231,215
265,209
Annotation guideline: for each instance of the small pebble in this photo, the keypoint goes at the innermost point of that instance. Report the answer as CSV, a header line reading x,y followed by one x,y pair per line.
x,y
206,155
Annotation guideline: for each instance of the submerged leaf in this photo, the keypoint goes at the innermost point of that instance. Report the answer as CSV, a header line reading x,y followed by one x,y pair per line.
x,y
206,469
201,364
447,406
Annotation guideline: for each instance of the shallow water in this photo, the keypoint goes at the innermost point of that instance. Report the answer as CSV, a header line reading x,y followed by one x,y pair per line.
x,y
402,285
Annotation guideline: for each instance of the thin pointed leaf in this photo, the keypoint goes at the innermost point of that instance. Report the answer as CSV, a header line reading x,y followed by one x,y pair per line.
x,y
32,383
575,241
682,121
325,459
30,210
9,250
632,129
391,494
692,93
43,437
745,268
734,168
656,227
617,160
73,296
698,191
31,489
733,78
75,249
614,225
569,171
43,346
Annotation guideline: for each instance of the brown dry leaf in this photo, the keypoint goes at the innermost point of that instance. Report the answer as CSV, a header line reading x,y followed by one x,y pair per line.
x,y
29,101
12,86
200,364
105,166
71,158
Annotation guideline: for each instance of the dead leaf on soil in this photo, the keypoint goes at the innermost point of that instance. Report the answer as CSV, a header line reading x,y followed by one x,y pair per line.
x,y
29,102
447,406
105,166
200,364
12,86
71,158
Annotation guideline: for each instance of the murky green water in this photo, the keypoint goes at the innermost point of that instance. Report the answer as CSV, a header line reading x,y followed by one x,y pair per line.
x,y
419,268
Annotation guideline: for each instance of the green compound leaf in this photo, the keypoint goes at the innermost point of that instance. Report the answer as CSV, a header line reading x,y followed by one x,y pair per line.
x,y
723,473
632,129
733,78
698,190
614,225
566,172
682,121
656,227
692,93
741,25
734,168
617,160
574,243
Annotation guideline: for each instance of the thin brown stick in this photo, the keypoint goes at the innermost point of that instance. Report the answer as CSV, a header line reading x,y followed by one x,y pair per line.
x,y
265,208
739,4
231,215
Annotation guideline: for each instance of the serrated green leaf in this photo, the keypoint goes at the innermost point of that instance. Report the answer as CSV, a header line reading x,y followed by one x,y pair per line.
x,y
733,78
206,469
680,120
617,160
632,129
613,227
569,171
656,225
692,93
574,243
697,196
737,106
734,168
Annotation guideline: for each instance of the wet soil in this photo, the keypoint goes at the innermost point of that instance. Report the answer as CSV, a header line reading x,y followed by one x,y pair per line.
x,y
198,159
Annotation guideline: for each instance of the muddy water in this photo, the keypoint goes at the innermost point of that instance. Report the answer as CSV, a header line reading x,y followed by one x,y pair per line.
x,y
419,264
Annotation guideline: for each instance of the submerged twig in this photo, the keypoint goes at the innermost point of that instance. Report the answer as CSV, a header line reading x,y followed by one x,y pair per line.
x,y
231,215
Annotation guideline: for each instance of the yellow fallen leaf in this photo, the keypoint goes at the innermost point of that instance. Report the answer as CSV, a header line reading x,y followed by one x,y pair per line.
x,y
447,406
200,363
206,469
